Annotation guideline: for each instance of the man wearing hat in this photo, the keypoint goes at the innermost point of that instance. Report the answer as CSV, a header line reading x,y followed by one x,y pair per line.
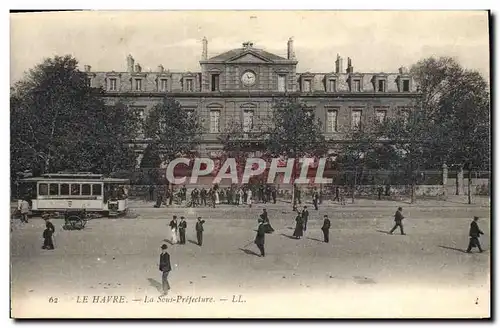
x,y
260,238
474,233
165,268
305,217
182,231
398,219
47,234
199,230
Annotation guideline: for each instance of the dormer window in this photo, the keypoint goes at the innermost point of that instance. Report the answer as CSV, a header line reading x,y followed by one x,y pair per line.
x,y
379,83
188,85
381,86
332,85
406,85
356,85
163,85
307,86
138,84
112,84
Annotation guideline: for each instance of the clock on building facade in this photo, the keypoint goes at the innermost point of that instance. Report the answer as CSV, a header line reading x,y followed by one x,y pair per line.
x,y
248,78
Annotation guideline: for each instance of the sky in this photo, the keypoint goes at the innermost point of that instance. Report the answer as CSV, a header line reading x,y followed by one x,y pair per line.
x,y
376,41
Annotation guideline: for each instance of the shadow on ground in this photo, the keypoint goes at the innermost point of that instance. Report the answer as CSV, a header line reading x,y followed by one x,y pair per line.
x,y
248,251
155,284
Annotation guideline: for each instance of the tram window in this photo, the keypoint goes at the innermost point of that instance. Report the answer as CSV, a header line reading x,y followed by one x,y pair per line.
x,y
85,189
43,189
54,189
75,189
65,189
96,190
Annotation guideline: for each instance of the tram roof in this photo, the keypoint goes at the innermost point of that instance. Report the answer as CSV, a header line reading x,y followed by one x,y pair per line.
x,y
74,179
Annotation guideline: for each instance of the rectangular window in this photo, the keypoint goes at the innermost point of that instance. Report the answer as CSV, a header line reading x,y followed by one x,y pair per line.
x,y
112,84
356,119
64,189
356,85
75,189
406,85
247,120
89,82
85,190
332,85
138,84
281,83
307,86
215,82
189,85
331,120
163,85
381,86
214,121
380,115
96,190
54,189
43,189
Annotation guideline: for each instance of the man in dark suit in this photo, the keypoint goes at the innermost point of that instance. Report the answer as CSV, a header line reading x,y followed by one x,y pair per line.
x,y
165,268
398,219
315,199
305,217
474,233
260,238
199,231
182,231
326,229
48,243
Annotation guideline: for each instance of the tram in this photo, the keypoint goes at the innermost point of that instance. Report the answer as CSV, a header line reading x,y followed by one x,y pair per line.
x,y
59,192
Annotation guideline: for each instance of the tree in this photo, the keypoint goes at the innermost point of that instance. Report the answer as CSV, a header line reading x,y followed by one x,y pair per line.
x,y
411,136
59,123
295,132
364,150
173,131
456,102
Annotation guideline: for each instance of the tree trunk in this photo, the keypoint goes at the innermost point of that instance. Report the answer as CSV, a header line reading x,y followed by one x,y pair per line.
x,y
413,191
293,183
354,183
469,183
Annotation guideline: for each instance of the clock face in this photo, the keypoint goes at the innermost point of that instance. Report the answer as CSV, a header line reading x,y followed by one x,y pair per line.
x,y
248,78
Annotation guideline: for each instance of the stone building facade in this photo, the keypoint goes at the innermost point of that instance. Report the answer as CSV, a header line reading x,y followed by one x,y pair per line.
x,y
239,86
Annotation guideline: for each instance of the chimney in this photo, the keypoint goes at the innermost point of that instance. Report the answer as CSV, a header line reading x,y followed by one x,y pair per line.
x,y
87,68
403,70
130,63
138,68
339,65
291,52
204,52
349,69
161,69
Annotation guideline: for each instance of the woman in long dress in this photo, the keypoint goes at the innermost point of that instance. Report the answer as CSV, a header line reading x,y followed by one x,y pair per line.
x,y
267,225
249,197
298,227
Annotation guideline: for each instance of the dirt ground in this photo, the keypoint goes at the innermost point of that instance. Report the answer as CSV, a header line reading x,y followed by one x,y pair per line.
x,y
362,272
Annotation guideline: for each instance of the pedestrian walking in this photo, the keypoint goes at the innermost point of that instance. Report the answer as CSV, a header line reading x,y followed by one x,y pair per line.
x,y
173,228
398,219
249,198
182,231
24,209
315,199
165,268
260,238
203,195
199,230
48,242
299,229
474,234
326,229
337,194
305,217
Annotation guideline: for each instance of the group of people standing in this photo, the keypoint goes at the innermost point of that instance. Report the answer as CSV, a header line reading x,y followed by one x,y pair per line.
x,y
178,229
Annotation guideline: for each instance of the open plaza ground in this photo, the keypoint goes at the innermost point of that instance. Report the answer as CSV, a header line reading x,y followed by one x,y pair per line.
x,y
362,272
